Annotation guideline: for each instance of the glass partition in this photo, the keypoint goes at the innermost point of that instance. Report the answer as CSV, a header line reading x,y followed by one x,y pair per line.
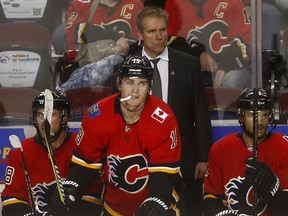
x,y
243,42
239,43
228,39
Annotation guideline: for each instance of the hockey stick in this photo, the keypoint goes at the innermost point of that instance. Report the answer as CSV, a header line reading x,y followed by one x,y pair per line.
x,y
16,143
255,144
48,110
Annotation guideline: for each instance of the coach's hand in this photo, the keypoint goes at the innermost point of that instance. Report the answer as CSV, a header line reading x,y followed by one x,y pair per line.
x,y
262,177
152,206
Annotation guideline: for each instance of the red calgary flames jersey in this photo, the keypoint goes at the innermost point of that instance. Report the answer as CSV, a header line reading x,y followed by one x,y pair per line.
x,y
120,18
128,152
215,24
39,170
226,169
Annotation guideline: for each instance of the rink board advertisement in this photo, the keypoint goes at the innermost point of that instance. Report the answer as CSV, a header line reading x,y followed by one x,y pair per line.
x,y
5,145
23,9
219,130
19,68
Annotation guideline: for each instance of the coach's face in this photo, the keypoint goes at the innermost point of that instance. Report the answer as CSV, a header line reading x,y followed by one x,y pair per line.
x,y
154,35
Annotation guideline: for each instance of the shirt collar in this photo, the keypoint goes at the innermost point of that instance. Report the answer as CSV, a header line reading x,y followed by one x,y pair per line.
x,y
162,56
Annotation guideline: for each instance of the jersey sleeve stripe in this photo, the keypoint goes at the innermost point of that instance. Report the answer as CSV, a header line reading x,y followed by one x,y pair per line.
x,y
12,201
110,211
164,169
92,200
81,162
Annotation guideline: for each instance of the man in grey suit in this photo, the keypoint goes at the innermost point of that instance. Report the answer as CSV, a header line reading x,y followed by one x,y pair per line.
x,y
183,89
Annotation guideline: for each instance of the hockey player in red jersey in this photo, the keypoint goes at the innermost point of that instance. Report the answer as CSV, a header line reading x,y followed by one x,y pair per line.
x,y
15,197
113,19
221,25
233,172
134,137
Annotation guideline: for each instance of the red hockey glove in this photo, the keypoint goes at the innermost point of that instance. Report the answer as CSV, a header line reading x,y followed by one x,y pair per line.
x,y
152,206
226,213
262,177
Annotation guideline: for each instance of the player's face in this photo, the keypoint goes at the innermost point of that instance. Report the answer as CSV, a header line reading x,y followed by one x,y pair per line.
x,y
154,35
138,88
263,121
56,122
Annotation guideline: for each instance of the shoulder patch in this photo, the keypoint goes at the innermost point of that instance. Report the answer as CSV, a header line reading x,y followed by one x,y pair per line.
x,y
159,115
79,136
94,110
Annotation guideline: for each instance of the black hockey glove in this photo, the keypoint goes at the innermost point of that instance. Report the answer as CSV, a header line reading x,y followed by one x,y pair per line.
x,y
231,58
262,177
94,33
71,192
226,213
152,206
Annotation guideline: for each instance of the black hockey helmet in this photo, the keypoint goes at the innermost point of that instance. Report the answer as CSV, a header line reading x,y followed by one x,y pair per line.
x,y
60,102
136,66
246,102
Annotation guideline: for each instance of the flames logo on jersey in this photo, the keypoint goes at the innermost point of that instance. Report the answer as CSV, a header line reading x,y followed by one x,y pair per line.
x,y
240,197
42,194
121,26
214,36
208,33
129,174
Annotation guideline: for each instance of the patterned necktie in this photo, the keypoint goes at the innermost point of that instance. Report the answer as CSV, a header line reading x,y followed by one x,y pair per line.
x,y
157,87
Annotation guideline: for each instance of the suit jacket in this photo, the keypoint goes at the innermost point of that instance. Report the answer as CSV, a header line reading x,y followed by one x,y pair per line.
x,y
187,98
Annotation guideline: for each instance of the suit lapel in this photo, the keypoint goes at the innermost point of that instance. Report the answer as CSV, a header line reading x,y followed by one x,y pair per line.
x,y
172,71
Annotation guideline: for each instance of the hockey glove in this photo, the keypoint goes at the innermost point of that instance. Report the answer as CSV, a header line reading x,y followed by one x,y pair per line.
x,y
226,213
152,206
94,33
232,57
71,192
262,177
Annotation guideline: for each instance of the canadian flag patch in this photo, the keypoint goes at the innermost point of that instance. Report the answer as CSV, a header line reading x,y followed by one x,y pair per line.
x,y
159,115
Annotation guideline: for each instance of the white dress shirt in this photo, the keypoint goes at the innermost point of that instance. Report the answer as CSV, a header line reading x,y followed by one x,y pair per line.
x,y
162,65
